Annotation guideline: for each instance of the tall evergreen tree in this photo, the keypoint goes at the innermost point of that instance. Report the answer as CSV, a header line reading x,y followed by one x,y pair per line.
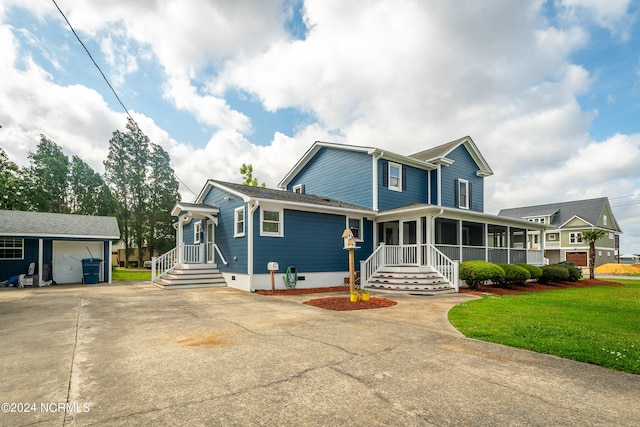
x,y
47,176
89,195
163,194
13,189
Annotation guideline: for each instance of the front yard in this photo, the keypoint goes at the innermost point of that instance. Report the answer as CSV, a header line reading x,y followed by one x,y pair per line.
x,y
598,325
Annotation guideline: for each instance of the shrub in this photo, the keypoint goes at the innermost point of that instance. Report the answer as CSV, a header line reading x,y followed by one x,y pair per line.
x,y
554,273
514,274
575,274
474,273
534,272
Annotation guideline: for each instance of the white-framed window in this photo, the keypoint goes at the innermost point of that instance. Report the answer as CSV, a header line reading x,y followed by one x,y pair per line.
x,y
271,222
610,236
463,194
553,236
298,188
575,237
355,225
238,222
197,228
11,248
604,219
395,176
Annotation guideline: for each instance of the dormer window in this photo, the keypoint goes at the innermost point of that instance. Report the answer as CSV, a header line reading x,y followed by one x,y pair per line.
x,y
298,188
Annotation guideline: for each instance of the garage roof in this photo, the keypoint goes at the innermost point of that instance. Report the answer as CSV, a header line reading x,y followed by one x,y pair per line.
x,y
43,224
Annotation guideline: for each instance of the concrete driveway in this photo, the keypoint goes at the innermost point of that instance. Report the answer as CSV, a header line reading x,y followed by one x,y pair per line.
x,y
133,354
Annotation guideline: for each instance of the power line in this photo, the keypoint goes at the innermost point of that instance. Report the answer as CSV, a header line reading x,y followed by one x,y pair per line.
x,y
109,84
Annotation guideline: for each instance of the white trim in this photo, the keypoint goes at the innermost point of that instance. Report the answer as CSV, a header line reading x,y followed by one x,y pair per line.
x,y
298,188
197,227
360,238
280,222
439,184
573,238
236,222
572,218
22,250
398,166
461,183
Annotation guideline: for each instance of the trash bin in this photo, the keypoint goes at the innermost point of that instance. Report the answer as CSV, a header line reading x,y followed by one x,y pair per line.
x,y
91,270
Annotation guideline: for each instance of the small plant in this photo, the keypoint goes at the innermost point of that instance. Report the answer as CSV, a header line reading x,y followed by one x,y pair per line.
x,y
475,273
534,272
514,275
553,273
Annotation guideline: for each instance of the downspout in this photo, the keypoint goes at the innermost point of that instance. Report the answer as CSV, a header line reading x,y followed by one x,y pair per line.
x,y
375,205
252,210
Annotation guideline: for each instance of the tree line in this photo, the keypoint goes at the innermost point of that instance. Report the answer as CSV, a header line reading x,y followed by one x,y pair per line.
x,y
138,187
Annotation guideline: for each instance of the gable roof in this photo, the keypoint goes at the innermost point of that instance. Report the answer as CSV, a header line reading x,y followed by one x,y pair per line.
x,y
247,193
47,225
439,154
589,210
372,151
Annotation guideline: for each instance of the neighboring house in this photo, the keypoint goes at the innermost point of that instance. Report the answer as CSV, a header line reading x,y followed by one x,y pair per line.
x,y
630,259
59,241
563,241
414,219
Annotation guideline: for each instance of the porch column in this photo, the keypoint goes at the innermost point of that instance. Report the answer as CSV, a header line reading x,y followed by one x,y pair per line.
x,y
486,241
508,245
180,238
40,258
110,263
460,238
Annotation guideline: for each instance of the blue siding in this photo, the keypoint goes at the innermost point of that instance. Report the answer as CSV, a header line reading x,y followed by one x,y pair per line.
x,y
415,192
434,187
312,242
338,174
463,168
234,249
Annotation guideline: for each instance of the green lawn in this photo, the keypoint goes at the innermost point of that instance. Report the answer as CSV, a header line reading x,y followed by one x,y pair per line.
x,y
131,274
599,325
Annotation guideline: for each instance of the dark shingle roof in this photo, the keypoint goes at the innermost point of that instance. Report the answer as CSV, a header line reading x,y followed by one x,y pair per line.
x,y
437,152
589,210
43,224
286,196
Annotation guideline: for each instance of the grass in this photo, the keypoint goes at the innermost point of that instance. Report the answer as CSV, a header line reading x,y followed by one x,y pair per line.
x,y
131,274
598,325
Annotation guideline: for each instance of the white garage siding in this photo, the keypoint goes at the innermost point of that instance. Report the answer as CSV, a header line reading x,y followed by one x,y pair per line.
x,y
68,256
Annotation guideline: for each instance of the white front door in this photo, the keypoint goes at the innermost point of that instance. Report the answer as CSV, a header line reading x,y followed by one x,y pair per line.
x,y
210,243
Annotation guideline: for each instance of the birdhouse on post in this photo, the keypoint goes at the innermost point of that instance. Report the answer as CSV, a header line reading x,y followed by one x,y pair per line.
x,y
349,239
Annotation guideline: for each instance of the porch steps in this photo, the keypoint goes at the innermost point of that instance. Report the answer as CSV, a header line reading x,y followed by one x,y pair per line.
x,y
189,276
409,280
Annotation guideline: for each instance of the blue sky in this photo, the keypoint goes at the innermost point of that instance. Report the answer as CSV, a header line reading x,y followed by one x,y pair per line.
x,y
548,90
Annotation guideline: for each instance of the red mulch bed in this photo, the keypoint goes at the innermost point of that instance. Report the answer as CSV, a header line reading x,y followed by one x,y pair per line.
x,y
535,287
303,291
345,304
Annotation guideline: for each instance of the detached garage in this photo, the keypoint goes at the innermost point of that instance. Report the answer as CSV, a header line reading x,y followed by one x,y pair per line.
x,y
56,243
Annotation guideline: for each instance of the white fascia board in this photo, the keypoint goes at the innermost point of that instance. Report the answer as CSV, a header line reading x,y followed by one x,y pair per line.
x,y
61,236
311,152
484,168
460,214
242,196
309,207
405,160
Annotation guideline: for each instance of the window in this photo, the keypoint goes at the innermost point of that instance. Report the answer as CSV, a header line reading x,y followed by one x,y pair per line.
x,y
11,248
238,222
553,236
463,194
604,219
575,237
355,224
197,228
395,176
271,223
298,188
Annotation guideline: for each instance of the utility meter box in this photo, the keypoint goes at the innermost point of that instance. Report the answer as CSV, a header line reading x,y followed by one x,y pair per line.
x,y
273,266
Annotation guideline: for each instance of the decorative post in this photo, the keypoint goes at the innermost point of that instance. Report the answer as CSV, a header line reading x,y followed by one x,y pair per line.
x,y
350,245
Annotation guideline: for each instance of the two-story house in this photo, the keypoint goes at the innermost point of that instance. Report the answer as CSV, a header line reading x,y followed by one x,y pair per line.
x,y
414,217
563,241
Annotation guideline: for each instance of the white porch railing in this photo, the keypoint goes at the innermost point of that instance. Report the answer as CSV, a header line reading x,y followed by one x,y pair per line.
x,y
188,254
222,258
428,255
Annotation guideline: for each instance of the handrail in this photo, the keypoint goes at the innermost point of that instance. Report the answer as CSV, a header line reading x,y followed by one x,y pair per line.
x,y
444,265
163,263
224,261
369,266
